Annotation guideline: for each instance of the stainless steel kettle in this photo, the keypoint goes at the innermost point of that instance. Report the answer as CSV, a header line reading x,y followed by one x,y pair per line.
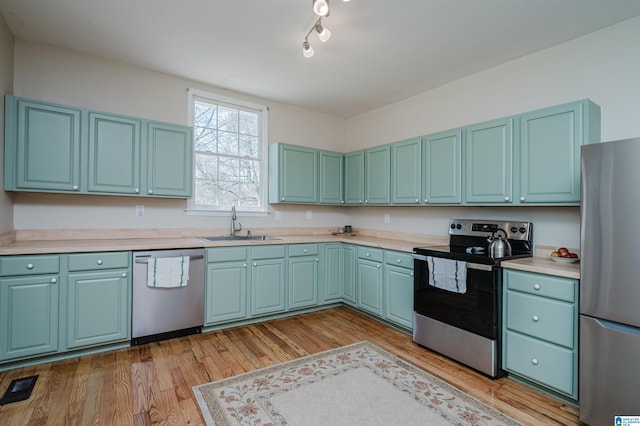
x,y
499,247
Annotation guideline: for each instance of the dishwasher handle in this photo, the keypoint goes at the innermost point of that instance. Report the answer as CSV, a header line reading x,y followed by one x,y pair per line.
x,y
147,258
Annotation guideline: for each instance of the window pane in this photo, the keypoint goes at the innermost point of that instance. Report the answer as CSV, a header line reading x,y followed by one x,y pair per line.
x,y
228,119
228,169
227,143
248,123
206,167
249,195
249,146
249,171
205,139
205,115
205,193
227,193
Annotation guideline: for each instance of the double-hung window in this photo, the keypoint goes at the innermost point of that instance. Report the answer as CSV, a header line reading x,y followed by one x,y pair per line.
x,y
230,161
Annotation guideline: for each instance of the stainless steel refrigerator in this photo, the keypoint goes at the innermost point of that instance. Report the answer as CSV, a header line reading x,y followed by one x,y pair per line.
x,y
610,282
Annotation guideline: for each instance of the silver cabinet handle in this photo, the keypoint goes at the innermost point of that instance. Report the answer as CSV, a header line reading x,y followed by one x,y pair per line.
x,y
137,190
99,262
282,199
411,274
244,265
30,266
426,200
522,199
124,275
255,264
150,191
506,198
378,266
360,201
399,261
417,200
75,187
368,255
342,202
534,361
54,280
304,251
536,286
317,260
535,318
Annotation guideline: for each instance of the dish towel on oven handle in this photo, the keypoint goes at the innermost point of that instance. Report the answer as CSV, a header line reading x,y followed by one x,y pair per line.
x,y
168,272
447,274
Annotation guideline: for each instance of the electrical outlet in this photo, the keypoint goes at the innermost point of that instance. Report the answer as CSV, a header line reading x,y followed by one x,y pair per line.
x,y
309,214
139,210
387,218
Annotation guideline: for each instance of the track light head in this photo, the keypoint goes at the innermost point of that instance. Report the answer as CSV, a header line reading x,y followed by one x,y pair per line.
x,y
323,33
307,50
321,7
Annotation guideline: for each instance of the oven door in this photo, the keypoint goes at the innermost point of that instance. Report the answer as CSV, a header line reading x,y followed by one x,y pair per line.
x,y
477,310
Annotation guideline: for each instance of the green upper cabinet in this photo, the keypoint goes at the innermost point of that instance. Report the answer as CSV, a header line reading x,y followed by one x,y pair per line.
x,y
293,174
377,169
354,178
114,154
550,141
489,162
442,168
169,160
406,172
55,148
48,155
331,177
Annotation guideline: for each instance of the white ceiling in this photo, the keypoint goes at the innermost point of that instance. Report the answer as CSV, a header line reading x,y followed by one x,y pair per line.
x,y
381,51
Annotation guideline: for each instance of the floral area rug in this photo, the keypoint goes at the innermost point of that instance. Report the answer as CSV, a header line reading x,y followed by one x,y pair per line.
x,y
359,384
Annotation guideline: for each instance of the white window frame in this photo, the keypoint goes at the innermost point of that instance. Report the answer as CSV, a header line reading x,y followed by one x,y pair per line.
x,y
192,208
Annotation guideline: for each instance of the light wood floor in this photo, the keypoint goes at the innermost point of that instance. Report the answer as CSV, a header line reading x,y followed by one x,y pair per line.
x,y
151,384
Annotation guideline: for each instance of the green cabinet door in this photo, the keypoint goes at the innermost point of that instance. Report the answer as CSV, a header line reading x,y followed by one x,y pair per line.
x,y
331,177
398,295
489,162
114,154
43,146
98,307
267,286
377,169
354,178
550,151
333,276
169,160
226,297
370,278
303,281
406,172
293,174
442,168
28,316
350,269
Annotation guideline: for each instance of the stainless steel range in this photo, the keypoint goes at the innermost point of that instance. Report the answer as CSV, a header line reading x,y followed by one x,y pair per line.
x,y
458,291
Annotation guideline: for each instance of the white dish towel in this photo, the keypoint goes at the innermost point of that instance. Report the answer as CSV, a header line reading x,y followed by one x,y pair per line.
x,y
447,274
168,272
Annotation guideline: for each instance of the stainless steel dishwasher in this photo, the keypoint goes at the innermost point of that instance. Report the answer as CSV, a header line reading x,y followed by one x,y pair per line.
x,y
164,313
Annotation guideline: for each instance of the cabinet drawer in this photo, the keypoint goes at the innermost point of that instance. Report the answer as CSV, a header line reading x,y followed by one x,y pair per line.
x,y
542,362
542,285
94,261
29,265
546,319
371,254
303,250
403,260
267,252
226,254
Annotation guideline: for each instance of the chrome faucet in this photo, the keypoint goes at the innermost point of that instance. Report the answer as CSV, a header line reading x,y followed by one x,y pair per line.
x,y
234,228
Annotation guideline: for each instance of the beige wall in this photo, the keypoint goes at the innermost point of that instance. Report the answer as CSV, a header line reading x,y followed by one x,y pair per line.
x,y
6,86
64,76
601,66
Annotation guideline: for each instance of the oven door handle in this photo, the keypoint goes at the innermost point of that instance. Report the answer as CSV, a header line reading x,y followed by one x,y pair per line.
x,y
470,265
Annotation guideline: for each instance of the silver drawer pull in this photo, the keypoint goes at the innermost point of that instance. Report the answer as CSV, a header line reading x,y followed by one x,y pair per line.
x,y
244,265
399,261
377,266
99,261
535,318
30,266
536,286
124,275
54,280
317,260
534,361
304,251
368,255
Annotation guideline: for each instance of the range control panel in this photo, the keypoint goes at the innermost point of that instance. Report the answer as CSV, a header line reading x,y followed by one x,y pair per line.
x,y
484,228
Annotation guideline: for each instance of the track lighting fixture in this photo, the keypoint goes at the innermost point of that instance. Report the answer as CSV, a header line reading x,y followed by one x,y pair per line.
x,y
321,7
307,50
323,33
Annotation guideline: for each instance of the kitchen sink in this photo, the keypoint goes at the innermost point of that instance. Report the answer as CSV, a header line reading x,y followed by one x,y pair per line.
x,y
240,238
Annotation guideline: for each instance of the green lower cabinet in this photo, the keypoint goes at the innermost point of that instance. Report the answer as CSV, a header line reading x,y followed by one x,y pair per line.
x,y
29,316
398,295
226,294
370,280
349,271
333,274
540,337
303,281
267,286
98,308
